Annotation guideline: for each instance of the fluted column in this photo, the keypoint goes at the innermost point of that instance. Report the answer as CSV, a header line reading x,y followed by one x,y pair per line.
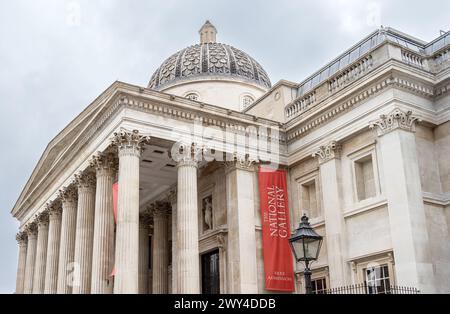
x,y
103,254
66,277
22,240
54,237
160,248
41,253
173,202
130,145
84,234
188,280
144,246
31,231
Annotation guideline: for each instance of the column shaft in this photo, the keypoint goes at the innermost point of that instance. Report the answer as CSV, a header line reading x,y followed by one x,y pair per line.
x,y
103,254
144,246
21,264
160,249
67,243
54,236
31,258
174,247
41,254
188,280
84,235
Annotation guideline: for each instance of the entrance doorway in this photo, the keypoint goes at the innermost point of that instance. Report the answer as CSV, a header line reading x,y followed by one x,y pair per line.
x,y
210,273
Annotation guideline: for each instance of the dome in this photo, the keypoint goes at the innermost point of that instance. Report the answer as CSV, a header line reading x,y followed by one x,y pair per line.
x,y
209,60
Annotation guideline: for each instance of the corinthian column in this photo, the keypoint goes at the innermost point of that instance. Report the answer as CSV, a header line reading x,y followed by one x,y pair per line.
x,y
144,246
130,145
21,238
31,231
188,280
173,202
67,243
103,254
160,248
41,253
84,234
54,236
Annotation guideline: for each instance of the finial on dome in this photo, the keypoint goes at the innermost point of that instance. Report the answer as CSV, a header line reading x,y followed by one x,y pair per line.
x,y
207,33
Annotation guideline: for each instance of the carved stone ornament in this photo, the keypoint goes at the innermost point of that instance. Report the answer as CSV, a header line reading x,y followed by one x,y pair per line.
x,y
31,229
42,219
130,142
241,161
396,119
85,179
145,219
161,209
328,152
106,163
187,153
68,194
21,238
54,209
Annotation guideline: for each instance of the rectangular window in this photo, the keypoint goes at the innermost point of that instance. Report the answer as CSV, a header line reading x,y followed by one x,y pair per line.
x,y
365,179
319,286
377,279
309,199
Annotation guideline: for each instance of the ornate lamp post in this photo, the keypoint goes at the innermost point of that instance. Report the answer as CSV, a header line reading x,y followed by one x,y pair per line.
x,y
306,243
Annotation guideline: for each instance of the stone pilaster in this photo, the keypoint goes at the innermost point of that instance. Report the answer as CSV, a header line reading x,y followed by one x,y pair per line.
x,y
41,253
84,235
144,247
66,276
330,178
103,253
241,202
160,248
188,275
22,240
400,167
31,231
130,145
54,237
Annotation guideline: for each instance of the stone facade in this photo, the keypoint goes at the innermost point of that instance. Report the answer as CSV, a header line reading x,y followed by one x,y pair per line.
x,y
365,142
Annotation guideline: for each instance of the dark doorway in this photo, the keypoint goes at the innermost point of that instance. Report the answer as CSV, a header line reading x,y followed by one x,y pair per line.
x,y
210,273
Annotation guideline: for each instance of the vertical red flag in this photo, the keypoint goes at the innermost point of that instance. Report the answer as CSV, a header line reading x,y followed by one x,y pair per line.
x,y
278,263
115,192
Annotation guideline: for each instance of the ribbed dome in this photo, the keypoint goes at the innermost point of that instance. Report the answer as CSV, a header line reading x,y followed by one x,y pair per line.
x,y
209,60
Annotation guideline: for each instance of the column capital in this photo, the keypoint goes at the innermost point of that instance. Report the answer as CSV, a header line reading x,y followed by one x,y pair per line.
x,y
21,238
241,161
145,219
85,179
172,196
327,152
161,210
130,142
31,230
42,219
68,194
105,163
54,210
396,119
187,154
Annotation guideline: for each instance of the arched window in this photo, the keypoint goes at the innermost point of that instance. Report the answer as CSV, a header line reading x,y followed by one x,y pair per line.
x,y
192,96
247,101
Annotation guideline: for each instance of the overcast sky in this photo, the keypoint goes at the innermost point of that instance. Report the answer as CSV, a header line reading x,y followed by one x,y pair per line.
x,y
58,55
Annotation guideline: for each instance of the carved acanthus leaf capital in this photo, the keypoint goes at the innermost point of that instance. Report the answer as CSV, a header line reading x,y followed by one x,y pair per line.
x,y
31,229
130,142
241,161
328,152
21,238
54,209
42,219
160,209
105,162
396,119
85,179
145,219
68,194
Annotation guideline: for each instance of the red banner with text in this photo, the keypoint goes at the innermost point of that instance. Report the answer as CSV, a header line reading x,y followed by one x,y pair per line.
x,y
278,262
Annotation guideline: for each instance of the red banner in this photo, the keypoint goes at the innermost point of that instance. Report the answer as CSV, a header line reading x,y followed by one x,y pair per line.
x,y
278,262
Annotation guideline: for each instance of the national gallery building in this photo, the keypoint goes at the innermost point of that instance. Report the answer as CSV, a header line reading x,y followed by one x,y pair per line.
x,y
157,189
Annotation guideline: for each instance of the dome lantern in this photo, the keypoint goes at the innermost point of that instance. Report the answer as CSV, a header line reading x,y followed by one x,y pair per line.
x,y
207,33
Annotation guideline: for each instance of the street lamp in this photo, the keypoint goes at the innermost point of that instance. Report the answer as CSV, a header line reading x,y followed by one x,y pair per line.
x,y
306,243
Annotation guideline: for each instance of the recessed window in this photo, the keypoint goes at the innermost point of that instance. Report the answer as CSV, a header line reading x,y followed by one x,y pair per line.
x,y
319,286
309,199
192,96
247,101
365,179
377,279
